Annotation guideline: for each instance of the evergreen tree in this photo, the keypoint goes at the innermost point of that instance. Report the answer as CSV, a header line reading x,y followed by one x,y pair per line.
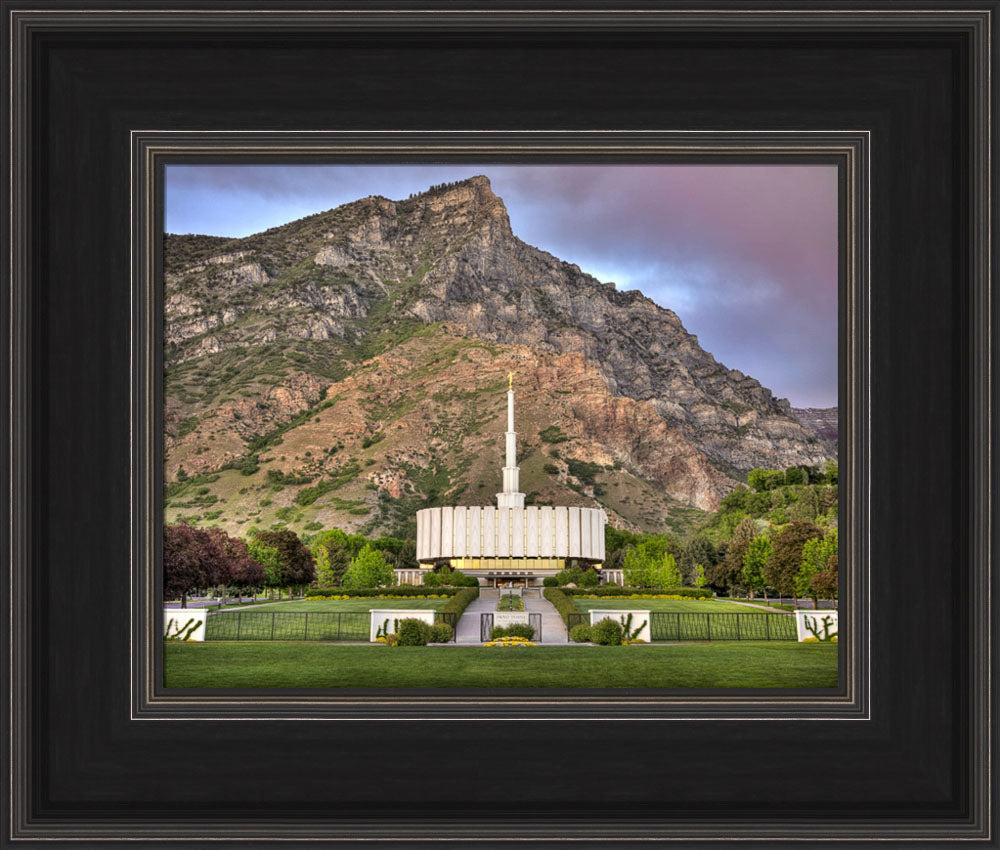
x,y
332,551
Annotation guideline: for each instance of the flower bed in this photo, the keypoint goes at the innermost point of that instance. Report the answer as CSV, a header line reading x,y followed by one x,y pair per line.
x,y
510,641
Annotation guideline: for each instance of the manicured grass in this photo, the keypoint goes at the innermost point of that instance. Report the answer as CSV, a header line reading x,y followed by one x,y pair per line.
x,y
677,606
360,604
310,665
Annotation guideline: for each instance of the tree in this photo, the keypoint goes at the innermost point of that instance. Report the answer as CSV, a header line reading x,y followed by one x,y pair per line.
x,y
407,557
269,559
202,558
699,576
332,551
824,583
817,555
697,551
830,472
757,479
782,566
754,560
298,567
795,475
233,563
183,557
369,569
665,573
729,572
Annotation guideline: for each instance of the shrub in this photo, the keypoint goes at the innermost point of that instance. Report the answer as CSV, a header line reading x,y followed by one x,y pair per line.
x,y
580,634
607,632
550,581
522,630
563,604
589,578
413,632
461,600
441,633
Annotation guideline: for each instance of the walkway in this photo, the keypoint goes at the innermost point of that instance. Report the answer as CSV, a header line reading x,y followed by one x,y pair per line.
x,y
553,627
468,624
468,632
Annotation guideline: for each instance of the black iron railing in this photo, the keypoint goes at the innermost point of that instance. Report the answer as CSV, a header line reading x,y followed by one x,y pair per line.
x,y
288,625
667,625
535,621
449,617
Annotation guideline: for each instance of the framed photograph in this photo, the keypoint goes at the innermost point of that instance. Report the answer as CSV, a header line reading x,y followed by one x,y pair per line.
x,y
589,406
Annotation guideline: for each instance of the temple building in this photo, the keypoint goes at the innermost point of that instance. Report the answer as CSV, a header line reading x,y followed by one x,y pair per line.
x,y
510,544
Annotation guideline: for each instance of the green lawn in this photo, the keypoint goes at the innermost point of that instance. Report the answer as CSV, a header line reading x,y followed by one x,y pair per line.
x,y
361,604
681,606
312,665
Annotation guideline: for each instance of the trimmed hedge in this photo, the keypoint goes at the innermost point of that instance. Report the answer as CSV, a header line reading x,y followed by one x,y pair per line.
x,y
563,604
615,590
461,600
399,591
514,630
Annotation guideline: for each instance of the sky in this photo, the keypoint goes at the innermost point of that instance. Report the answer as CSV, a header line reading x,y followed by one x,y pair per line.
x,y
746,255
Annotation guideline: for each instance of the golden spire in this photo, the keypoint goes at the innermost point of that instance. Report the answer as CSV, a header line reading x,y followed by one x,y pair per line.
x,y
510,380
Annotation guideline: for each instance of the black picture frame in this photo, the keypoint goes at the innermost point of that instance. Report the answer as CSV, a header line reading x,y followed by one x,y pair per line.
x,y
902,752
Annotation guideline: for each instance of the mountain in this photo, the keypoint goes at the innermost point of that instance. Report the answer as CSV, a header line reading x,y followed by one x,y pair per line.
x,y
348,368
824,422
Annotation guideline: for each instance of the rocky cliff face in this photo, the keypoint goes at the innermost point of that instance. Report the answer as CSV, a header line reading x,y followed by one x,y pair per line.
x,y
824,422
262,330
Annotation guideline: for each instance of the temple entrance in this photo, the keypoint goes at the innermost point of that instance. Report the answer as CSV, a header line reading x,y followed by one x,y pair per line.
x,y
510,581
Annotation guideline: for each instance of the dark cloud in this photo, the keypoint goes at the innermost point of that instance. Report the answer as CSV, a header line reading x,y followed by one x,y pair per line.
x,y
745,255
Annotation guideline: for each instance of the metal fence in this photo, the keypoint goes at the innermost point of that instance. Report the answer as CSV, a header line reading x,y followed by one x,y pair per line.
x,y
451,618
299,625
576,620
486,626
289,625
667,625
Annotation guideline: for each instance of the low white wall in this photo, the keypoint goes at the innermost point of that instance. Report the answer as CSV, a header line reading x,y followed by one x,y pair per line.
x,y
380,615
821,624
622,615
184,623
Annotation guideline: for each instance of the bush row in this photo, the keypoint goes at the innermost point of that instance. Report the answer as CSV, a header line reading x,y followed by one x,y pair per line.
x,y
461,600
563,604
414,632
402,590
615,590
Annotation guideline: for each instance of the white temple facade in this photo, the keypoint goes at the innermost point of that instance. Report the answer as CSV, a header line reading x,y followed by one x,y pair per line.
x,y
510,544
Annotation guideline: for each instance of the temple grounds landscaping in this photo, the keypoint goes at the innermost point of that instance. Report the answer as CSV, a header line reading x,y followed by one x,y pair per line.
x,y
312,665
